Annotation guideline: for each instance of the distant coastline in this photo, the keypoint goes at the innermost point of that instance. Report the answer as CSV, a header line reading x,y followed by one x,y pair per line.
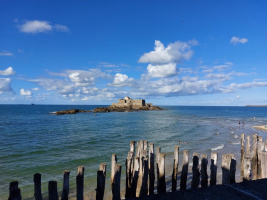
x,y
255,105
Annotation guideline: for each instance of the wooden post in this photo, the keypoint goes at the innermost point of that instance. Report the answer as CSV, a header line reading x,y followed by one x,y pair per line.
x,y
265,145
260,149
103,167
226,162
141,145
184,170
158,151
14,191
117,181
204,174
145,144
263,156
52,190
128,163
113,164
151,169
135,175
138,149
37,186
132,145
100,188
140,176
79,183
254,163
248,145
232,168
65,190
242,155
175,168
247,169
141,189
195,171
213,168
161,165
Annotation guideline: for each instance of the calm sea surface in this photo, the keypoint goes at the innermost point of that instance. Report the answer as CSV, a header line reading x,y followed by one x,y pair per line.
x,y
32,140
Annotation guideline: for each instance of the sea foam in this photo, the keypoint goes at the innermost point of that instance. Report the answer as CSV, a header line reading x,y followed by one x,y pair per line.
x,y
218,147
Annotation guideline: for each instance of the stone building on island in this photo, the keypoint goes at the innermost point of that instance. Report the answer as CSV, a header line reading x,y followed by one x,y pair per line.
x,y
127,101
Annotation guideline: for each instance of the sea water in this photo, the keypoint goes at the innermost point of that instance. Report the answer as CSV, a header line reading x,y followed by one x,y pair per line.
x,y
32,140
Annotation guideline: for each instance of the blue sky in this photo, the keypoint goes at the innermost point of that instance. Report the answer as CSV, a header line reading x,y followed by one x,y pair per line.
x,y
167,52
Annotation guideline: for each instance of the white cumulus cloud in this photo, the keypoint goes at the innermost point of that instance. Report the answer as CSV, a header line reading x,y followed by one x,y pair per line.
x,y
161,71
7,72
174,53
37,26
25,92
6,53
5,85
35,89
236,40
121,80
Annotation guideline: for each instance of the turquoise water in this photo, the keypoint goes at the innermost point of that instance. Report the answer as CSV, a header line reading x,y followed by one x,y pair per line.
x,y
32,140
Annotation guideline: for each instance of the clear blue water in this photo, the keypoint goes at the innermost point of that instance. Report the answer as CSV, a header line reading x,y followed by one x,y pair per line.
x,y
32,140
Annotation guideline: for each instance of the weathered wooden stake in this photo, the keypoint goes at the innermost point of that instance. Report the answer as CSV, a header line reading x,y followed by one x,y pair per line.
x,y
100,188
14,191
247,169
132,145
195,171
254,163
141,145
141,189
145,144
52,190
184,170
138,149
37,186
65,190
117,181
232,168
260,149
175,168
226,162
151,169
128,163
248,145
113,164
204,174
263,156
158,151
242,155
101,181
79,183
140,176
135,175
213,168
161,165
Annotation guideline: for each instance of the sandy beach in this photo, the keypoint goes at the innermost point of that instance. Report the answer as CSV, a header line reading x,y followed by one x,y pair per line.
x,y
261,127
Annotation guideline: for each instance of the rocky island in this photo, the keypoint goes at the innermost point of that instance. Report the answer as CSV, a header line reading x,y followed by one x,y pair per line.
x,y
128,105
124,105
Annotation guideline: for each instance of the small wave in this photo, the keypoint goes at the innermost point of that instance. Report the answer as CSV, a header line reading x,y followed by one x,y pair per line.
x,y
235,142
54,112
232,132
235,136
218,147
216,133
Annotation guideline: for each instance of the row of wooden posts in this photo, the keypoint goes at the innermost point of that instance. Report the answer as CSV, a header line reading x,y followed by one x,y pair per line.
x,y
140,171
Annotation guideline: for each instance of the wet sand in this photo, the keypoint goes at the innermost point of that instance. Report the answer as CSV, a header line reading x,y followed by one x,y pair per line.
x,y
261,128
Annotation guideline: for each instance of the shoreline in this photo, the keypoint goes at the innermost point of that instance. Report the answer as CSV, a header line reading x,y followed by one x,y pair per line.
x,y
261,127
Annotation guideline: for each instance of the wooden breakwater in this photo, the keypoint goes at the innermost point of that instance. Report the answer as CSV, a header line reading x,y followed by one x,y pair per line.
x,y
142,168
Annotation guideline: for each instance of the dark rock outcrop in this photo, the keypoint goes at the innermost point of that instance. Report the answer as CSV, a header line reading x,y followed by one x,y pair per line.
x,y
72,111
125,108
